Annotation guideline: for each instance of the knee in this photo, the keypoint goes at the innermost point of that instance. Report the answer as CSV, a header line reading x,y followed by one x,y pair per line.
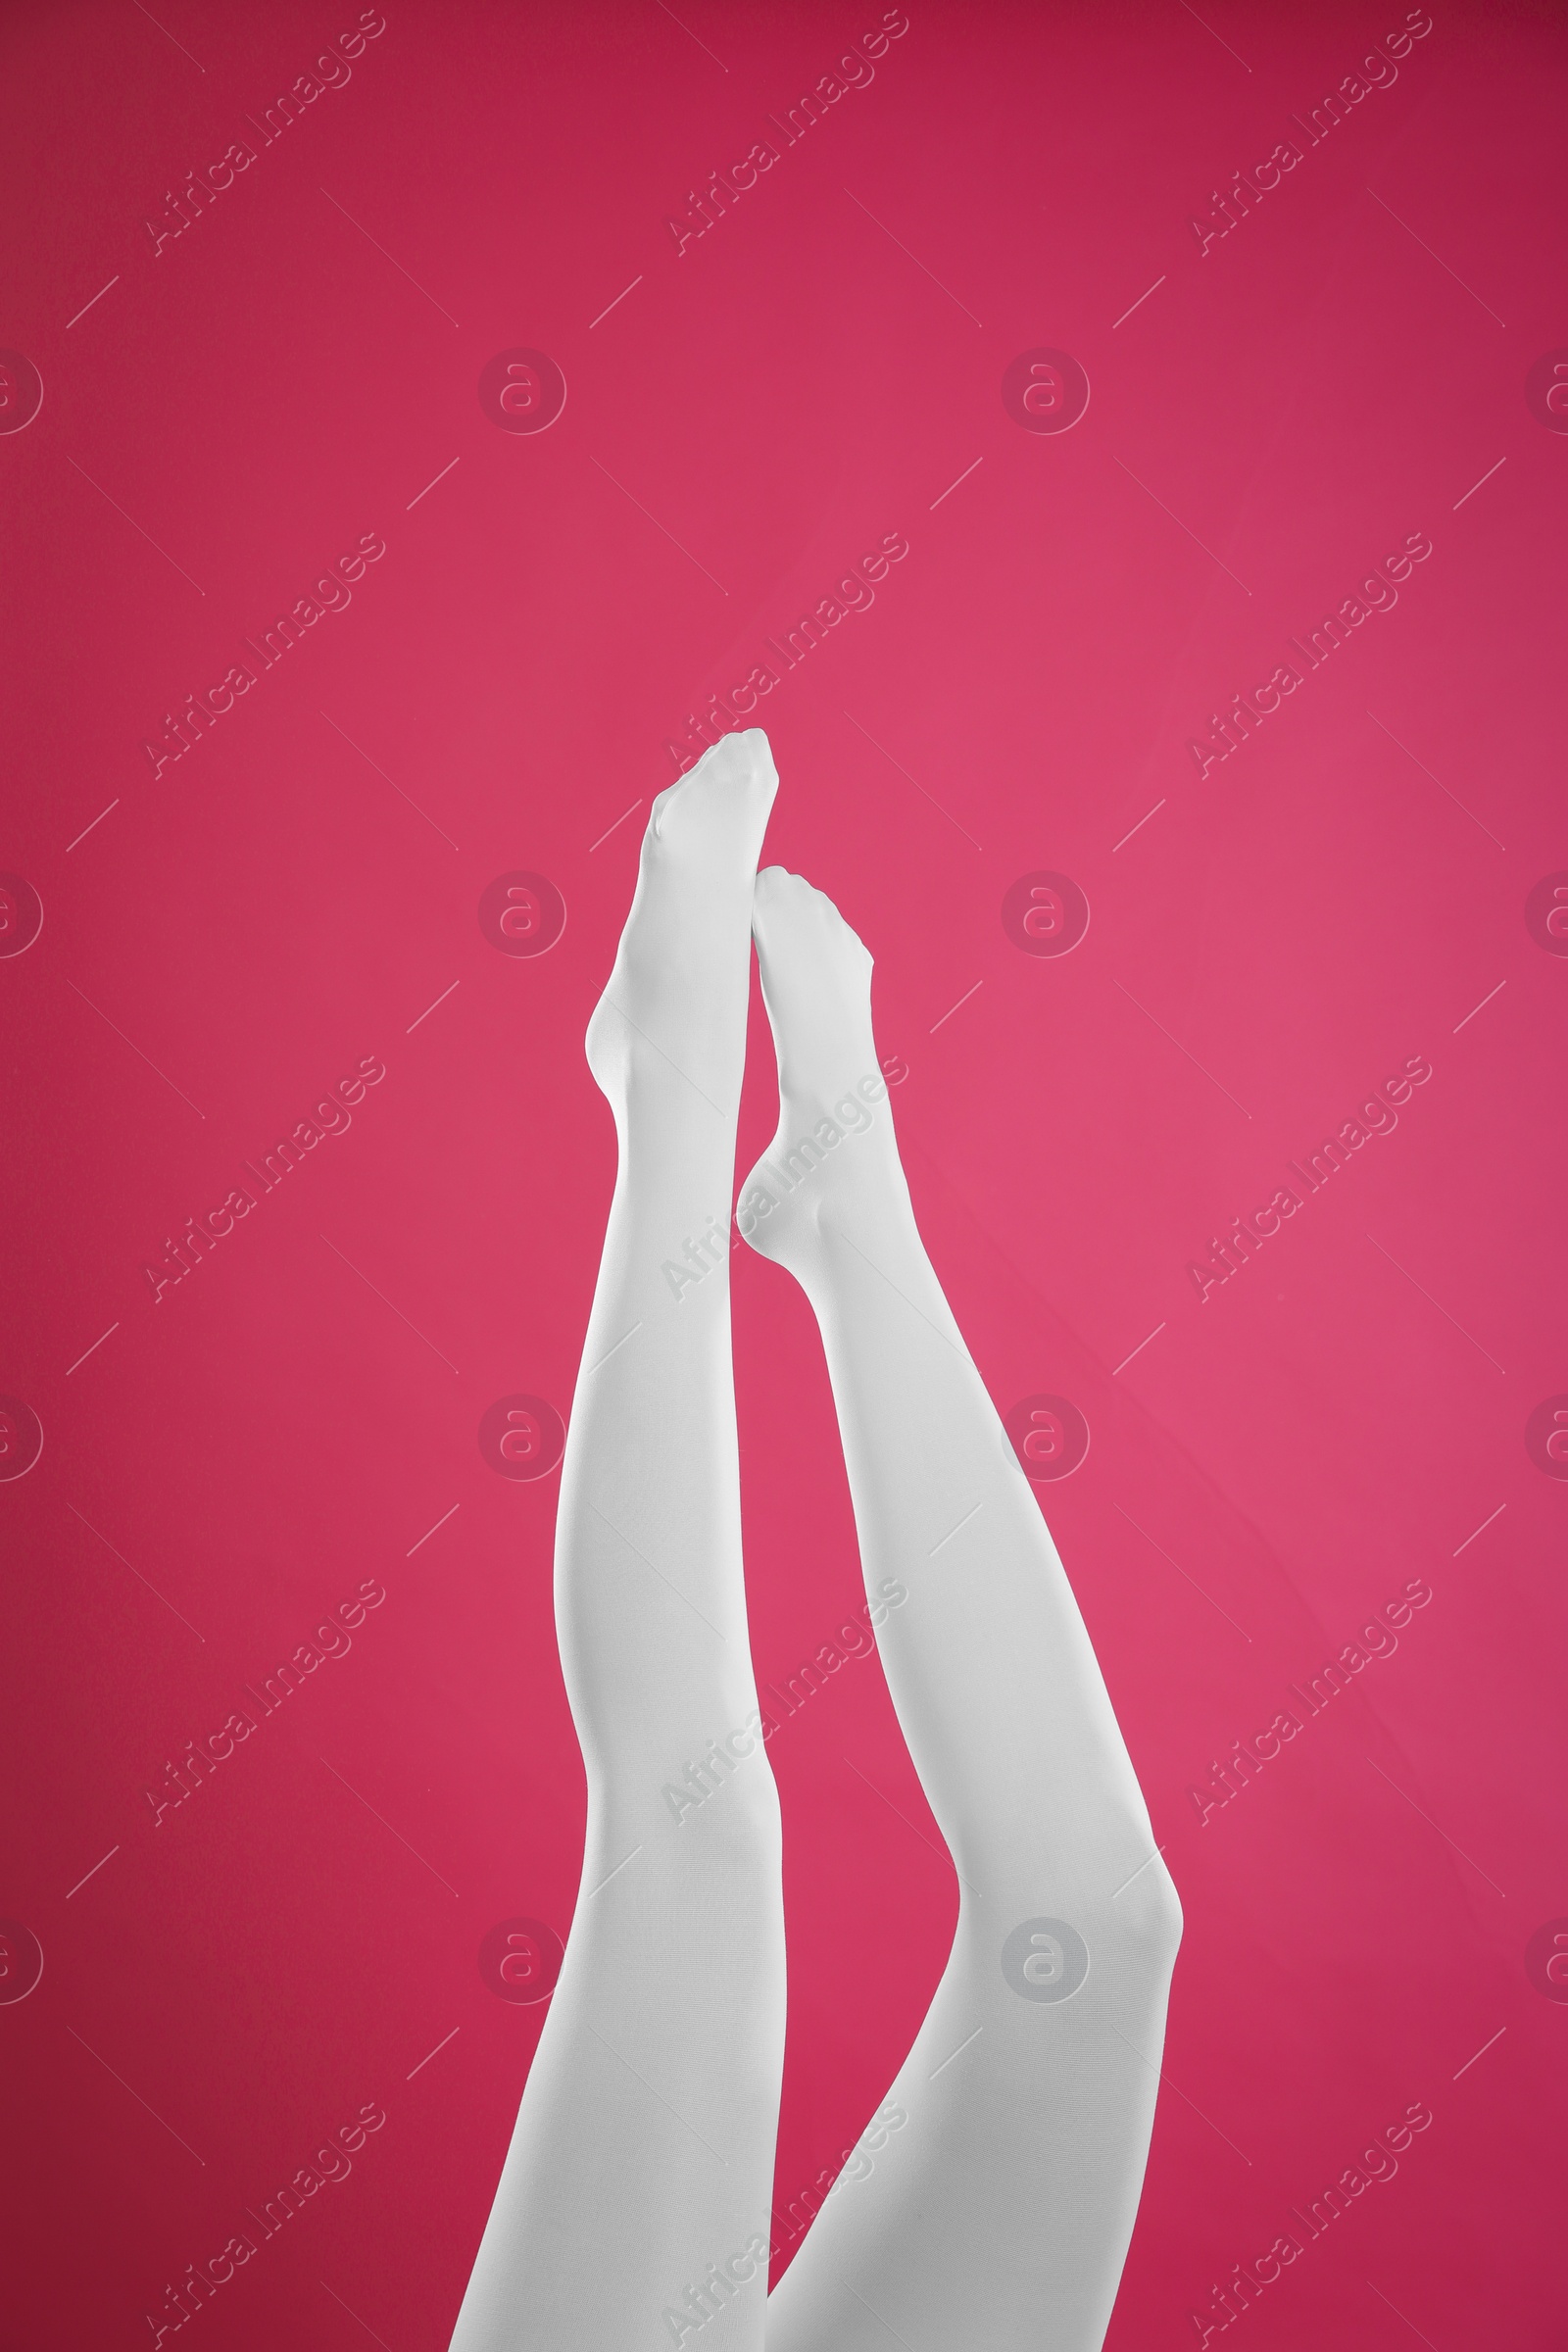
x,y
739,1824
1125,1941
1145,1925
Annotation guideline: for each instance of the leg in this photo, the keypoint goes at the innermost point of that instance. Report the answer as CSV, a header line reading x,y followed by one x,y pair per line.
x,y
997,2208
640,2172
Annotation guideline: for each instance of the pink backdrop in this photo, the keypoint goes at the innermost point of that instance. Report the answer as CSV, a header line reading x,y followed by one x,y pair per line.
x,y
246,383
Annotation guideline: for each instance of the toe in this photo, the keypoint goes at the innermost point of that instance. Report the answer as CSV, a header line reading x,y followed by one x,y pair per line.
x,y
733,783
781,907
745,758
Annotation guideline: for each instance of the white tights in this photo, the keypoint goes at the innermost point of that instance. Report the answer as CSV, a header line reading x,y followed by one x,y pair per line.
x,y
633,2210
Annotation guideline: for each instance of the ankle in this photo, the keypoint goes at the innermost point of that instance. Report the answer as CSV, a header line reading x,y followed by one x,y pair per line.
x,y
820,1186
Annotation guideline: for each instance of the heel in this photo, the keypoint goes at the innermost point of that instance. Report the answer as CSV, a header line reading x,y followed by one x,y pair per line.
x,y
608,1047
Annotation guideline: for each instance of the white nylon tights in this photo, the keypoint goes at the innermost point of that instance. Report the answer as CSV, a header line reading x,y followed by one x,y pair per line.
x,y
633,2210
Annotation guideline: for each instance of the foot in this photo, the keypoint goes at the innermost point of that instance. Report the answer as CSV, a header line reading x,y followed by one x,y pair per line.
x,y
673,1015
833,1165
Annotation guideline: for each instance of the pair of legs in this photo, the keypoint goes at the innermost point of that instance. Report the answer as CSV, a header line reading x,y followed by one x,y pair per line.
x,y
634,2208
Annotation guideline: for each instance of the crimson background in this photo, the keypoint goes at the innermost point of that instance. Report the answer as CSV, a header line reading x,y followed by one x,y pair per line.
x,y
1276,1462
